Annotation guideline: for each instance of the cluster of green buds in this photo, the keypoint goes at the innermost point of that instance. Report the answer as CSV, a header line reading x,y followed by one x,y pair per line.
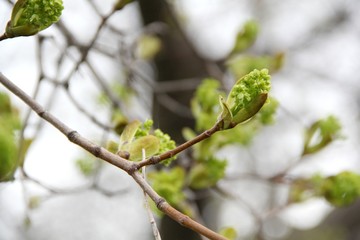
x,y
245,99
138,137
32,16
339,190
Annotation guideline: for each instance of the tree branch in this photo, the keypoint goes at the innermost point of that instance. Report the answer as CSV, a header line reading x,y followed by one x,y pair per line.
x,y
129,167
71,134
165,207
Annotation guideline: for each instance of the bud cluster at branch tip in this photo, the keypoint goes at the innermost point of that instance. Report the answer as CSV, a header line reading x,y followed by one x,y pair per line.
x,y
246,98
32,16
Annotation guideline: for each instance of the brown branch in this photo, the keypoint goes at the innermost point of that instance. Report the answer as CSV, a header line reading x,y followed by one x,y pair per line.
x,y
116,160
71,134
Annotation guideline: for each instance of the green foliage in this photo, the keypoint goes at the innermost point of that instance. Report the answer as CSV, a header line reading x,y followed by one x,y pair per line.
x,y
205,105
166,144
247,89
32,16
246,98
207,173
320,134
150,144
169,184
128,135
87,165
267,113
144,129
229,232
8,150
34,202
246,37
148,46
242,64
340,190
9,123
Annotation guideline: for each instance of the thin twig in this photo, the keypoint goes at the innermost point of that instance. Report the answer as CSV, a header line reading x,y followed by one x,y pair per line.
x,y
147,206
179,217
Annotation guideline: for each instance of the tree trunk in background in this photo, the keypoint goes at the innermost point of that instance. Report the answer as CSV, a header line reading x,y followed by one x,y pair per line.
x,y
176,61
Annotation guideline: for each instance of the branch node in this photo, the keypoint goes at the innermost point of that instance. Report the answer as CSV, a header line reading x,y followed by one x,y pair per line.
x,y
96,152
132,168
159,203
183,220
41,113
72,136
207,133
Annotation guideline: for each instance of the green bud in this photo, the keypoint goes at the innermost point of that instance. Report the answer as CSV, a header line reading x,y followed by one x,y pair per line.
x,y
166,144
320,134
32,16
341,189
148,46
246,37
229,232
246,98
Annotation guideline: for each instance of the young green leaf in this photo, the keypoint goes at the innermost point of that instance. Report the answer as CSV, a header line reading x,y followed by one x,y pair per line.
x,y
150,144
129,132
